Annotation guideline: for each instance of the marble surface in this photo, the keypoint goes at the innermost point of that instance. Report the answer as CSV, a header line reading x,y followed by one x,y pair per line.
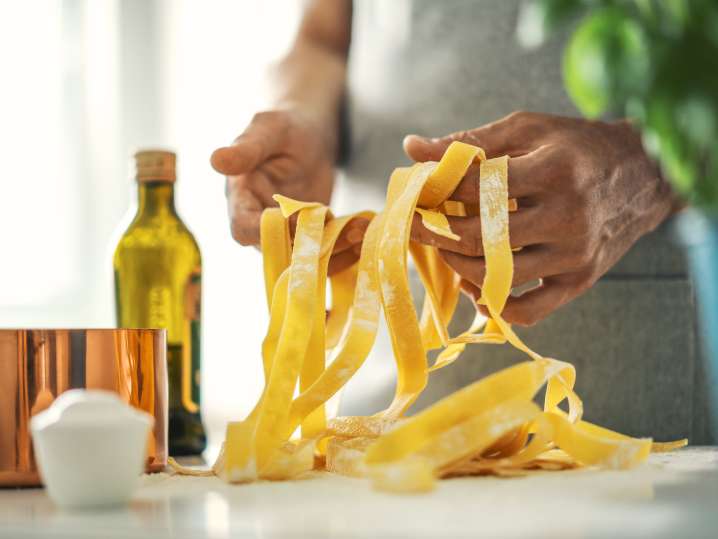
x,y
673,495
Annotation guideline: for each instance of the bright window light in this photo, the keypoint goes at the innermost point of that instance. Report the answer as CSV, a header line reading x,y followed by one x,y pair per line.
x,y
38,208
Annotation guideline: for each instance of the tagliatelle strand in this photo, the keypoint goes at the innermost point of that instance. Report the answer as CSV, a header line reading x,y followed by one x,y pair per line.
x,y
489,426
397,304
357,340
274,235
271,424
315,356
428,184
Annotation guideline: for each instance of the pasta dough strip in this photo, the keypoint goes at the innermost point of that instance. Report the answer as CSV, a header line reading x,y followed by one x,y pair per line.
x,y
359,338
490,426
424,183
271,425
315,356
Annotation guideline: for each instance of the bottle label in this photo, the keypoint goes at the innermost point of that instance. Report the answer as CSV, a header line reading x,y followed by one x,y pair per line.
x,y
160,302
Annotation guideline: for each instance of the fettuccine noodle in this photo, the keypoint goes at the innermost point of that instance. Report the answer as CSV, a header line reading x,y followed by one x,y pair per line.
x,y
489,426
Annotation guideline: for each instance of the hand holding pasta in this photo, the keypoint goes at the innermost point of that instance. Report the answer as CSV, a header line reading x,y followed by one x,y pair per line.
x,y
586,192
281,152
489,426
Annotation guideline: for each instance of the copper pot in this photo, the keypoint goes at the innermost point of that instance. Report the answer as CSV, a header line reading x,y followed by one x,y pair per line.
x,y
36,365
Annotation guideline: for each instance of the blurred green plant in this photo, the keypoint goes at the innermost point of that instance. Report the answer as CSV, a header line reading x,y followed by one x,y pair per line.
x,y
655,61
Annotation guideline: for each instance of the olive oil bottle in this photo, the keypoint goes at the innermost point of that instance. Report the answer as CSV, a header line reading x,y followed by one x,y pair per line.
x,y
158,271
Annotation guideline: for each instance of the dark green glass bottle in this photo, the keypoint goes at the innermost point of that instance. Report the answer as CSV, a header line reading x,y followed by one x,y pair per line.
x,y
158,283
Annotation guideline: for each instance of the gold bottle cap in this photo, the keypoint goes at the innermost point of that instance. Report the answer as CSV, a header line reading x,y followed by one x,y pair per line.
x,y
155,166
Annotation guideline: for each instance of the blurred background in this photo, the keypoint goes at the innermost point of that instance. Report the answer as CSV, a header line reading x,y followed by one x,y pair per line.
x,y
84,84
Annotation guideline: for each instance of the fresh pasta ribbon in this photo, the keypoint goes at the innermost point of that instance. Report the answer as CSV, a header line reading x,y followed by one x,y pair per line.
x,y
490,426
437,223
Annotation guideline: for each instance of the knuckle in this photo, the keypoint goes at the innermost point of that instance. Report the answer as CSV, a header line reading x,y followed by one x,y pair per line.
x,y
580,196
265,116
468,136
266,122
529,127
460,136
520,116
580,223
573,164
583,255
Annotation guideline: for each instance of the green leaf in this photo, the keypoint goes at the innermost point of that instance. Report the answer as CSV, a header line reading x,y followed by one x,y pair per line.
x,y
539,17
696,118
665,141
606,61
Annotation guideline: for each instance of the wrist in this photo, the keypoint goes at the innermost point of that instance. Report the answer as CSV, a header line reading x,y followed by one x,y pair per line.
x,y
309,83
666,201
317,124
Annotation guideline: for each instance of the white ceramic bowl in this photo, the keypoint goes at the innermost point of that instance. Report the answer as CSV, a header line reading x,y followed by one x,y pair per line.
x,y
90,448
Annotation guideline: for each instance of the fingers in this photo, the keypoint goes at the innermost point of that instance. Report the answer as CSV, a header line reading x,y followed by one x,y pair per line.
x,y
247,196
533,305
527,178
494,138
493,142
424,149
344,259
516,134
245,213
537,304
526,228
263,138
472,291
529,265
352,235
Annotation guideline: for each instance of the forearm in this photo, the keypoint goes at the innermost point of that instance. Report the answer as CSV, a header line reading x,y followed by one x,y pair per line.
x,y
311,77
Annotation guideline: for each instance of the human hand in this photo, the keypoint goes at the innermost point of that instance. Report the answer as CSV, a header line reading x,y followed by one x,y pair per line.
x,y
285,152
586,191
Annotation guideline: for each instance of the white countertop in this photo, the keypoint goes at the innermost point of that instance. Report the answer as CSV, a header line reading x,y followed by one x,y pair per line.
x,y
673,495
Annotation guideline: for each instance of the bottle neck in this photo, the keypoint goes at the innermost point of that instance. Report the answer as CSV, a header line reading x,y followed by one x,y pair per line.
x,y
156,199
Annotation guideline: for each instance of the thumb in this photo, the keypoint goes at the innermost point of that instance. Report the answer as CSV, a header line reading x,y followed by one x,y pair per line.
x,y
422,149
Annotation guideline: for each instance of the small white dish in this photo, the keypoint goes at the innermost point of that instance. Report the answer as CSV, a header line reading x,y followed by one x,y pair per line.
x,y
90,448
